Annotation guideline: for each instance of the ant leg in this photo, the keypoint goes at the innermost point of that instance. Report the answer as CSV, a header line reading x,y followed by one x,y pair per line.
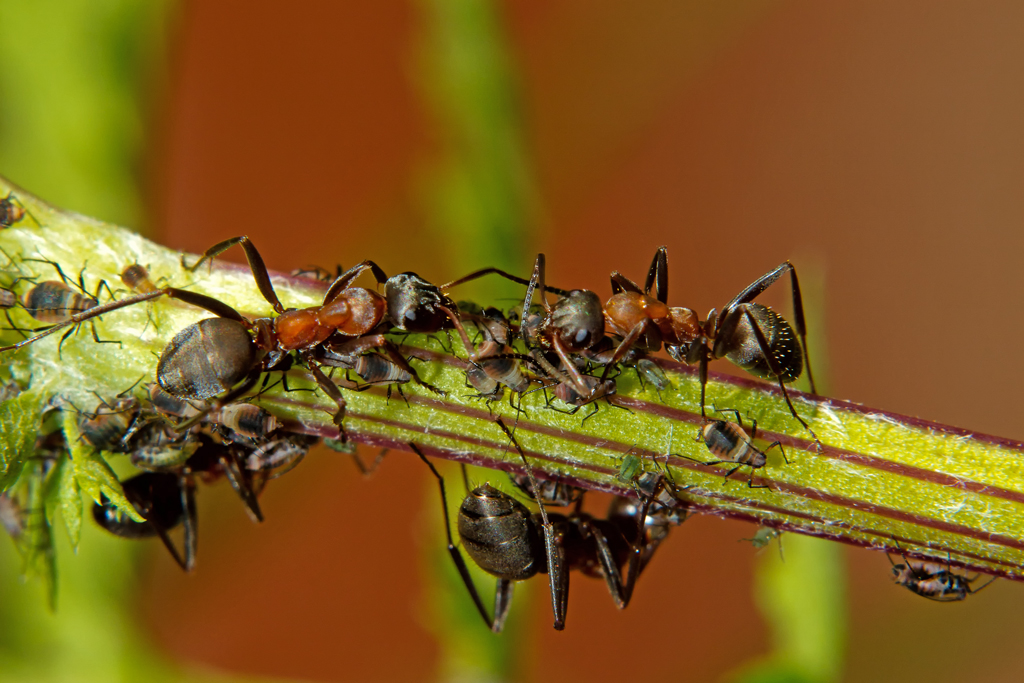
x,y
460,563
624,346
332,391
345,279
657,275
188,505
703,374
256,265
736,414
503,600
496,271
621,283
762,283
239,482
766,350
554,544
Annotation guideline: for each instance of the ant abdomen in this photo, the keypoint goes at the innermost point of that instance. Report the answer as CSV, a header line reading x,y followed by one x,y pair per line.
x,y
206,358
742,348
499,534
578,320
155,495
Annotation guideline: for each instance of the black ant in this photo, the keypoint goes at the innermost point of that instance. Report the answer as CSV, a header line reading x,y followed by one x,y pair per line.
x,y
511,544
164,500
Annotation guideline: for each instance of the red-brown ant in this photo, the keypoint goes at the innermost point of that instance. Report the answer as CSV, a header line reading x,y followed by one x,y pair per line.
x,y
262,344
751,335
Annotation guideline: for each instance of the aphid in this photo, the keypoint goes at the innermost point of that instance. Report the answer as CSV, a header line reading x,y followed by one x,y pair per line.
x,y
109,426
647,369
933,580
136,278
55,302
11,212
511,544
247,420
164,500
63,303
731,444
493,365
205,360
763,536
750,335
279,456
76,319
372,368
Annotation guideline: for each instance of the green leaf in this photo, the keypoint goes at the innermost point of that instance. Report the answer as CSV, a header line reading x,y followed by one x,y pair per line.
x,y
92,473
38,558
63,493
19,418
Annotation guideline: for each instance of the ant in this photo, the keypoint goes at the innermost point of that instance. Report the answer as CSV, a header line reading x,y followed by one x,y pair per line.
x,y
748,334
511,544
164,500
731,444
933,580
348,311
574,323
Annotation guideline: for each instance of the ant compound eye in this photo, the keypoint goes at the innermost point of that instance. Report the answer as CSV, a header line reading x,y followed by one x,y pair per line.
x,y
582,336
410,314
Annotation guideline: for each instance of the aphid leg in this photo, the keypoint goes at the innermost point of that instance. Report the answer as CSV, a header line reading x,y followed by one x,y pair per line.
x,y
781,449
501,601
554,547
367,472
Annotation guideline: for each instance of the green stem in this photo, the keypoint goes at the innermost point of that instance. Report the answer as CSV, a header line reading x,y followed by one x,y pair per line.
x,y
878,479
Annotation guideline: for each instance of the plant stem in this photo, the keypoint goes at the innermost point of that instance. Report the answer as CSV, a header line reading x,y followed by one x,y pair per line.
x,y
879,480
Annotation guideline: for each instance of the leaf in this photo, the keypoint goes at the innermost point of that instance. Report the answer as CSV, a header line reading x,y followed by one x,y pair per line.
x,y
38,556
92,473
62,492
19,420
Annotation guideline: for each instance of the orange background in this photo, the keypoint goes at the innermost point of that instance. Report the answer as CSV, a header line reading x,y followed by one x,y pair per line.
x,y
880,141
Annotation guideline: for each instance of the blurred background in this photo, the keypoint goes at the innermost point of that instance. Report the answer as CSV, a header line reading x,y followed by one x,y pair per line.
x,y
877,145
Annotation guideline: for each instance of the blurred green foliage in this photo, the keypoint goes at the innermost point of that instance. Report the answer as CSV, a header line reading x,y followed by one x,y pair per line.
x,y
77,82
